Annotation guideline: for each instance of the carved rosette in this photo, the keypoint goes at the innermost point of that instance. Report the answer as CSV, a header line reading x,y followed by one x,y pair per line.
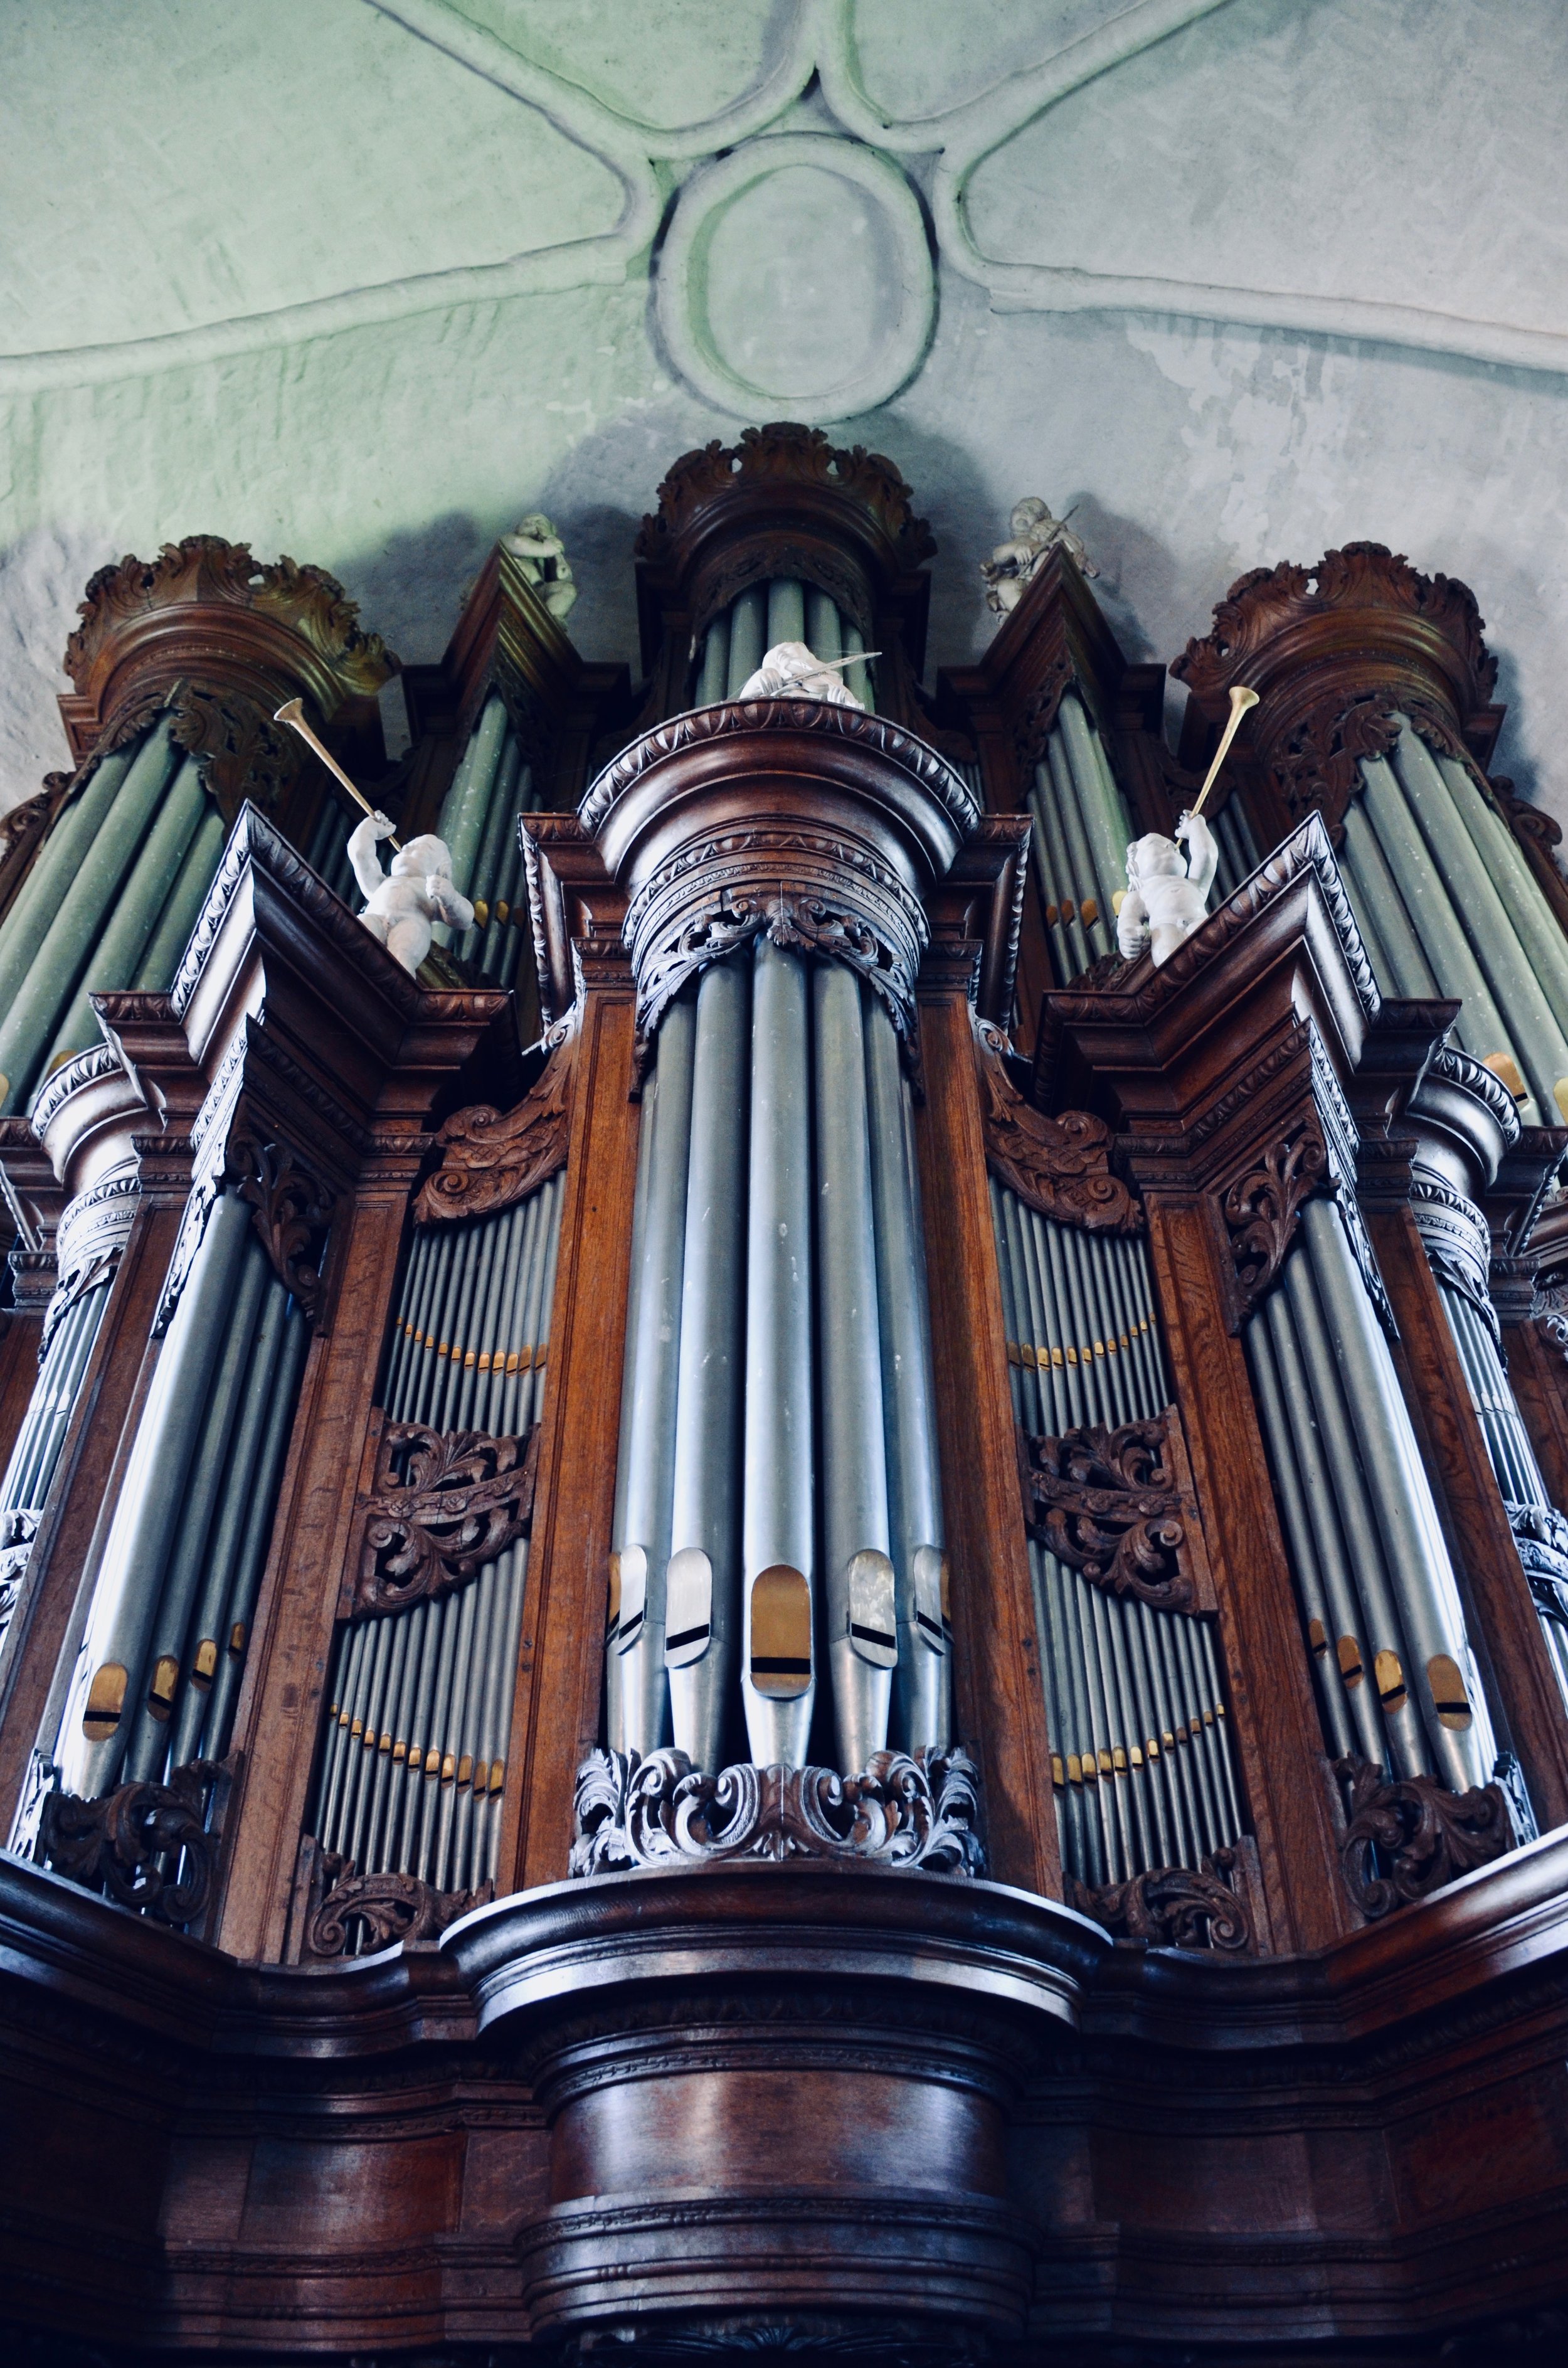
x,y
1172,1906
660,1811
491,1159
1407,1839
441,1505
377,1911
1060,1166
151,1847
1117,1507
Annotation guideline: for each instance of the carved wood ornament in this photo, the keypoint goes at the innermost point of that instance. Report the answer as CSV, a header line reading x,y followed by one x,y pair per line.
x,y
292,1209
151,1847
1171,1906
1261,1207
1117,1507
442,1504
1408,1837
659,1811
379,1910
1060,1167
491,1159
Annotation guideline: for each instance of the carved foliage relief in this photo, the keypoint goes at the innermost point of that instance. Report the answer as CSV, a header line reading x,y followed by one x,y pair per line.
x,y
442,1504
1116,1507
1058,1166
491,1159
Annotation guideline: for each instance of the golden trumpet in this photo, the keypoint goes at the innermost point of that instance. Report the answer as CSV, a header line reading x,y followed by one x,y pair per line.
x,y
1241,700
293,715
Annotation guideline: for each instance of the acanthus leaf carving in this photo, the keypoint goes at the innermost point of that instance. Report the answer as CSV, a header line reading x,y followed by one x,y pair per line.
x,y
490,1158
379,1910
241,751
1261,1207
1060,1166
921,1812
1408,1837
784,450
125,1842
1171,1906
1034,723
1112,1506
442,1504
292,1209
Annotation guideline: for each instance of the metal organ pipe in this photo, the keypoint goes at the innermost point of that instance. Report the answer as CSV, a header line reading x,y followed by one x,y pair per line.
x,y
779,1560
1140,1758
413,1765
782,609
701,1613
1080,852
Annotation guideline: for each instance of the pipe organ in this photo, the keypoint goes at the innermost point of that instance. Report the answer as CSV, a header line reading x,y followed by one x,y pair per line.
x,y
703,1612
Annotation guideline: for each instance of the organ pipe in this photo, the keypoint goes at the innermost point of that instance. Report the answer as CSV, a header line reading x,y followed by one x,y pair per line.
x,y
778,1371
1378,1600
493,783
414,1760
174,1580
1140,1758
783,609
25,1484
1081,838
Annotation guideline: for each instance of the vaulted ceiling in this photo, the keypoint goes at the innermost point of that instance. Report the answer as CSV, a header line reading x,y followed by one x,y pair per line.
x,y
365,279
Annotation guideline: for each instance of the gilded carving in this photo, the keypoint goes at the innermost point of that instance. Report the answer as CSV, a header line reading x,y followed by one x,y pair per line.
x,y
1058,1166
442,1504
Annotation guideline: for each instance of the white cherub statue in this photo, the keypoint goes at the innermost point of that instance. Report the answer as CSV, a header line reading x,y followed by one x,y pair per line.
x,y
540,551
790,670
1166,898
1032,532
401,906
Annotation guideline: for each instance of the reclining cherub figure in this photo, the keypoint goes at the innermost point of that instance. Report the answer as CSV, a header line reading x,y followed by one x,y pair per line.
x,y
1167,898
402,906
790,670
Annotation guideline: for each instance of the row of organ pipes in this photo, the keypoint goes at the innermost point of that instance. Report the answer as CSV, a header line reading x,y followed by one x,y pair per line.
x,y
778,1500
779,1581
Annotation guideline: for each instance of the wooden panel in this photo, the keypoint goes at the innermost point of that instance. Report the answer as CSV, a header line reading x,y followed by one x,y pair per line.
x,y
999,1694
555,1713
19,1338
1540,1375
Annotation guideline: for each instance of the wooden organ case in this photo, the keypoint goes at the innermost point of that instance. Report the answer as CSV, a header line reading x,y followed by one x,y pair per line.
x,y
785,1612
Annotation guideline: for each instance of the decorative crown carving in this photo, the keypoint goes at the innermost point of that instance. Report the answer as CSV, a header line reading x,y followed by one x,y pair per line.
x,y
1263,604
785,453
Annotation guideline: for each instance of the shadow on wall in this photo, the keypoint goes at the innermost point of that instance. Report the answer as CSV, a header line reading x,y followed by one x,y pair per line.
x,y
411,589
42,578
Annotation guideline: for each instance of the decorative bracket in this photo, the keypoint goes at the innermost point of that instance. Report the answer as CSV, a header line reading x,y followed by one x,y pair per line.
x,y
1172,1906
151,1847
492,1159
1061,1165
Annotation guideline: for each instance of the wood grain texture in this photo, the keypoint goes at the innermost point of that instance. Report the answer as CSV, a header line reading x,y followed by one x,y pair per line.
x,y
1505,1628
555,1712
18,1372
1538,1372
999,1694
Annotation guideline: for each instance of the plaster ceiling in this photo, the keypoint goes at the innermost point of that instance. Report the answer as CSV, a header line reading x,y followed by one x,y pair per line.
x,y
366,279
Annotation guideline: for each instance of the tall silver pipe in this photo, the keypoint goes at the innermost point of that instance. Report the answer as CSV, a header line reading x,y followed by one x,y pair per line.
x,y
824,630
704,1584
787,612
1410,972
921,1685
1444,1681
862,1617
100,1707
648,1429
715,672
282,1377
748,630
1099,799
1527,907
778,1666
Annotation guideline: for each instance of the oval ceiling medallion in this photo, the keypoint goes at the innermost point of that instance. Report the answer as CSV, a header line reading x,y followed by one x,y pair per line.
x,y
795,273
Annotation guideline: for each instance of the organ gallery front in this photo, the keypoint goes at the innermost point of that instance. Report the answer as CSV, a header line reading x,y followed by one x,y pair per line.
x,y
782,1598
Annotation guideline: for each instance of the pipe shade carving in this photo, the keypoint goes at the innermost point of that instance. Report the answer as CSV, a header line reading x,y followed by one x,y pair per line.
x,y
1112,1506
1060,1166
1173,1906
492,1159
443,1504
1405,1839
151,1847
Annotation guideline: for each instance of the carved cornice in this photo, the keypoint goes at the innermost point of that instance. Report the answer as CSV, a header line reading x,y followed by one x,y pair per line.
x,y
783,457
660,1811
1364,579
441,1505
1172,1906
1407,1839
705,727
1060,1166
490,1158
221,640
1117,1507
